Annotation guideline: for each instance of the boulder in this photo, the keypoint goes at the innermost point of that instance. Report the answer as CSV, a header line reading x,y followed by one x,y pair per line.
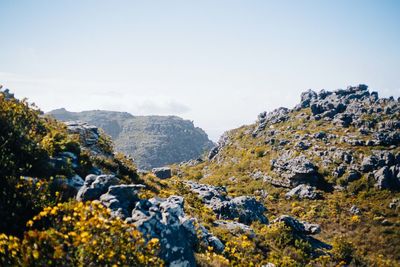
x,y
245,209
89,134
298,227
162,173
121,199
388,178
354,210
75,181
303,191
234,226
165,219
276,116
95,186
295,171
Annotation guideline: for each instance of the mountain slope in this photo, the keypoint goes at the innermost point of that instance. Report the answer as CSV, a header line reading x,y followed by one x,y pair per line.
x,y
333,160
152,141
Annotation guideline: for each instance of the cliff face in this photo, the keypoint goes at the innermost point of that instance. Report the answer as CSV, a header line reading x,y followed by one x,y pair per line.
x,y
152,141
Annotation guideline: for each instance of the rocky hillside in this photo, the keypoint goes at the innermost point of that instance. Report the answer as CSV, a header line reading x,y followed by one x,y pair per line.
x,y
317,185
152,141
333,160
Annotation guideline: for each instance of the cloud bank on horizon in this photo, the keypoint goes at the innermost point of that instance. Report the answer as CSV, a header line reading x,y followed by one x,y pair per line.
x,y
219,63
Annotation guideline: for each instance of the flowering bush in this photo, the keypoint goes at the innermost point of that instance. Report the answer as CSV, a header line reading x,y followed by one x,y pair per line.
x,y
78,234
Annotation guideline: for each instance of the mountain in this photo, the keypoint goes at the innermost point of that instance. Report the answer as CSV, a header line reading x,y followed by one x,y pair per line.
x,y
316,185
153,141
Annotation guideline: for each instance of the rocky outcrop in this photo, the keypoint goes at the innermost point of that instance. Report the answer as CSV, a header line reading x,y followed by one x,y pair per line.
x,y
298,227
222,142
89,134
388,178
162,173
295,171
276,116
165,219
245,209
121,199
95,186
303,192
233,226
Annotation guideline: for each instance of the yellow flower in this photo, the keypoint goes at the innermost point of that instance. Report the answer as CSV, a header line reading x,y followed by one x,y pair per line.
x,y
54,211
35,254
66,218
29,223
84,234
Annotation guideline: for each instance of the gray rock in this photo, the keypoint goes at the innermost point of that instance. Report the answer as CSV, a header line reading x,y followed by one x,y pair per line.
x,y
162,173
339,171
89,134
234,226
354,210
165,219
307,97
75,181
388,178
222,142
121,199
303,191
208,193
95,186
320,135
303,145
204,237
352,176
244,208
295,171
276,116
298,227
7,94
395,203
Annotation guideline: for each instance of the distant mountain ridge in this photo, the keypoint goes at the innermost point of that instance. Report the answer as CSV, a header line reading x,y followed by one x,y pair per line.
x,y
152,141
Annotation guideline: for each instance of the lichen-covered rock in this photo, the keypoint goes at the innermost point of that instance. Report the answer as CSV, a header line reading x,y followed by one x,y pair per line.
x,y
95,186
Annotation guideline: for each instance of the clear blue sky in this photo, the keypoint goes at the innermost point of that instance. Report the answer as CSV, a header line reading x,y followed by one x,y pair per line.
x,y
219,63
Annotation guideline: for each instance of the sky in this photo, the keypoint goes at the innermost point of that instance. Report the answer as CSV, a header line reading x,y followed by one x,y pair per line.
x,y
216,62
